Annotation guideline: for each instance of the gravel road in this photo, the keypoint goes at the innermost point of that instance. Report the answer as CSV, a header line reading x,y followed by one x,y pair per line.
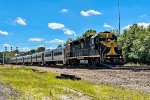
x,y
1,96
6,92
136,80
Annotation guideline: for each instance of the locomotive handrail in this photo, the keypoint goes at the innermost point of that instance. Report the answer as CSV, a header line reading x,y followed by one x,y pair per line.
x,y
103,52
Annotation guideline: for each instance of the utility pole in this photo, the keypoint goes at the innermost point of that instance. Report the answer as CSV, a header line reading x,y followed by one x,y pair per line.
x,y
4,55
119,15
3,58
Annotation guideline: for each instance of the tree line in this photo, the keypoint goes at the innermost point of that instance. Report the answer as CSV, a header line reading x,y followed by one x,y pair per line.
x,y
135,42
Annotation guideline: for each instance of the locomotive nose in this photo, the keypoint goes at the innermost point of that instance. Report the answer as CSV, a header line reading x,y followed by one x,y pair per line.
x,y
112,56
111,45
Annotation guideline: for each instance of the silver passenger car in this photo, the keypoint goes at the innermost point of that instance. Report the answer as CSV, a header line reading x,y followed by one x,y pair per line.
x,y
48,57
58,55
37,58
27,59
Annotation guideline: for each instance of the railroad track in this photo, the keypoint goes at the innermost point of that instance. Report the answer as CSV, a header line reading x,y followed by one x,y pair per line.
x,y
134,68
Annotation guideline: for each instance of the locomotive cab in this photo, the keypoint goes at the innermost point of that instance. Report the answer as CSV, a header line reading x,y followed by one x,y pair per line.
x,y
110,49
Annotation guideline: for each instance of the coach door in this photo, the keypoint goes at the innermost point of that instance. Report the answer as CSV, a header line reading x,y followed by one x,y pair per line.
x,y
43,59
52,55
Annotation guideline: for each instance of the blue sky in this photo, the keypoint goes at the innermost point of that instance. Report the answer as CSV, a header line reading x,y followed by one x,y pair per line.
x,y
27,24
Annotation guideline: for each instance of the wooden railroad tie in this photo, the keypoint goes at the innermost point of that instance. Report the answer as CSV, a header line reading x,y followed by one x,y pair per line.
x,y
67,76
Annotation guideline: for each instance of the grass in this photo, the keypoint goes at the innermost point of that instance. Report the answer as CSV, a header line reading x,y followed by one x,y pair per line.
x,y
134,64
38,85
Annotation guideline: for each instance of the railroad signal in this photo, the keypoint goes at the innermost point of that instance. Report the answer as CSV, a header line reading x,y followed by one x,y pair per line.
x,y
11,49
5,48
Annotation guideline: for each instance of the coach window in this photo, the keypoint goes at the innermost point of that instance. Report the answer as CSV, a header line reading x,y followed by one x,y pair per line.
x,y
34,57
38,56
48,55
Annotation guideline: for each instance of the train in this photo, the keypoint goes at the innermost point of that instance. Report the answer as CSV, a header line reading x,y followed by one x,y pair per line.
x,y
99,49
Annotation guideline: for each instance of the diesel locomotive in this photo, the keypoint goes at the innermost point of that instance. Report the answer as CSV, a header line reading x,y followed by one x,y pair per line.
x,y
95,50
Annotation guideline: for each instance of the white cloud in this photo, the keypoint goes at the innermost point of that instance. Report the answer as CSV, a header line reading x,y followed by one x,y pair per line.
x,y
64,11
126,27
56,41
25,49
142,16
35,39
69,32
61,27
107,25
145,25
56,26
41,45
50,48
6,45
3,32
90,12
20,21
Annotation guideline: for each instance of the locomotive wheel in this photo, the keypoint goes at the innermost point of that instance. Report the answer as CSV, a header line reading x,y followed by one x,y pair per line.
x,y
93,63
90,61
71,62
76,63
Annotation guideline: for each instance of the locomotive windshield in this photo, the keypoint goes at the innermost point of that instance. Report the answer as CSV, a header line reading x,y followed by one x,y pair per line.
x,y
107,36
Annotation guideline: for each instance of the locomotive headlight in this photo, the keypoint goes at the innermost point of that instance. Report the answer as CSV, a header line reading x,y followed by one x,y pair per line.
x,y
120,57
108,57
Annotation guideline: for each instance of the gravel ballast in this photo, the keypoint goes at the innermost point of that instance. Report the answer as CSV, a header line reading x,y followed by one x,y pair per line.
x,y
135,80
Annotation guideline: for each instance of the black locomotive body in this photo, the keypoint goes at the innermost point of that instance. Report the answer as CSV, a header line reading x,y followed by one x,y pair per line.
x,y
99,49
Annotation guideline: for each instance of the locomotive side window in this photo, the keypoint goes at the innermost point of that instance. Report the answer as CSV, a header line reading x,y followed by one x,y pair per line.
x,y
97,39
92,41
82,45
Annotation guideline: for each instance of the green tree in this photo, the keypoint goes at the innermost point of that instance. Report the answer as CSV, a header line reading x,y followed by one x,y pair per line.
x,y
135,43
32,51
16,51
78,37
69,40
89,33
59,46
40,49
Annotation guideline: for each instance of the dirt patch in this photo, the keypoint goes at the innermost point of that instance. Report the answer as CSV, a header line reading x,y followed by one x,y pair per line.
x,y
7,92
72,94
38,71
